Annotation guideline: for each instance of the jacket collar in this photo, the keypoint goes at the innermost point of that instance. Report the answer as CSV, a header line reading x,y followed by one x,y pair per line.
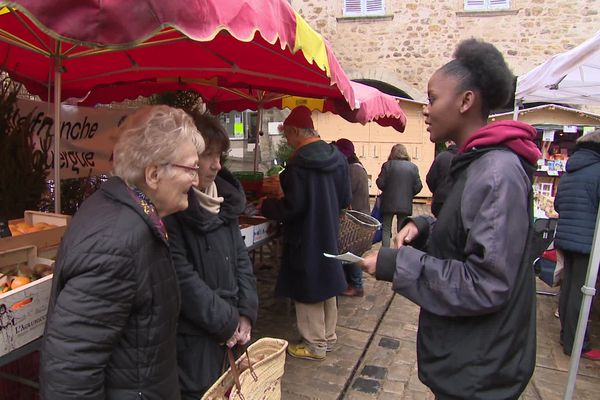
x,y
117,190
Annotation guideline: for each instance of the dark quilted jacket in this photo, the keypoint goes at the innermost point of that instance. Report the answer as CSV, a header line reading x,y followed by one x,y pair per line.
x,y
577,201
112,317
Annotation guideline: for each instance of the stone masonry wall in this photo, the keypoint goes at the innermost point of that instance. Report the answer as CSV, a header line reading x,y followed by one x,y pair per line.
x,y
415,37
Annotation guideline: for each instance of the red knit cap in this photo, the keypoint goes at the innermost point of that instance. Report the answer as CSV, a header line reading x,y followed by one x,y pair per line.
x,y
300,117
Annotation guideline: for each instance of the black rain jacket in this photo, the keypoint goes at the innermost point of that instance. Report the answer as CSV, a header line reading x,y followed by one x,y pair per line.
x,y
474,282
216,281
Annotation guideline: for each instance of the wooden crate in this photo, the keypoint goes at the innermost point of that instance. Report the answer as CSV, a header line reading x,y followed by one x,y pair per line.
x,y
42,239
23,310
247,233
263,227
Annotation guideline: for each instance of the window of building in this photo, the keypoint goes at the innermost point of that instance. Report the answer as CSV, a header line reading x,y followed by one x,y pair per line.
x,y
486,5
360,8
240,125
544,188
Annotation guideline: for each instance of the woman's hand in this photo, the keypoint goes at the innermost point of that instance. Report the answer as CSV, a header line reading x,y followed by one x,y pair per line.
x,y
232,341
244,330
406,235
242,333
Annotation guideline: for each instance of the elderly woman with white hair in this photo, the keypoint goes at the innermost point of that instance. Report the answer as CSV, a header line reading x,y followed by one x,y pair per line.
x,y
111,328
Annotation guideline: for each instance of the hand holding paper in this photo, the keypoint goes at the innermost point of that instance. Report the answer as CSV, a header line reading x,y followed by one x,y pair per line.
x,y
346,257
369,263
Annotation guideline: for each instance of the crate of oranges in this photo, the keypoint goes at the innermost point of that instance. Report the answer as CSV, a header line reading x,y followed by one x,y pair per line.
x,y
25,284
41,229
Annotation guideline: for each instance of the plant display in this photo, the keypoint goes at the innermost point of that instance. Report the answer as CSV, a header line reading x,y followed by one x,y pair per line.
x,y
22,165
283,152
184,99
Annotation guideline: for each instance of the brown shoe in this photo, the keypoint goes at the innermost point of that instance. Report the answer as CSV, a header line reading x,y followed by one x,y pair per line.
x,y
352,291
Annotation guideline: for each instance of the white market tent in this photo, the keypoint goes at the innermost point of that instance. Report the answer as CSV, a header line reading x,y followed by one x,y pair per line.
x,y
572,77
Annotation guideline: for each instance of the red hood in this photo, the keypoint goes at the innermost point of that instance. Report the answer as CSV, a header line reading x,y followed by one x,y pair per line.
x,y
515,135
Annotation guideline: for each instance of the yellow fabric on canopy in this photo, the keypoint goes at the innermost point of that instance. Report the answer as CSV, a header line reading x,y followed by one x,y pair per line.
x,y
292,102
311,44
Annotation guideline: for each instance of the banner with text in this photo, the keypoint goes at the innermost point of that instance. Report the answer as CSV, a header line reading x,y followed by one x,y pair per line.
x,y
87,136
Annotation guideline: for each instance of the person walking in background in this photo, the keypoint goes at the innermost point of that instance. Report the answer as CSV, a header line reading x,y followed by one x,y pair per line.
x,y
112,317
316,188
576,202
359,182
470,270
213,267
438,177
399,182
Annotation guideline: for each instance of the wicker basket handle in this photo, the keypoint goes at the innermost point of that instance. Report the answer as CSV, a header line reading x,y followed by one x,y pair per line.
x,y
236,372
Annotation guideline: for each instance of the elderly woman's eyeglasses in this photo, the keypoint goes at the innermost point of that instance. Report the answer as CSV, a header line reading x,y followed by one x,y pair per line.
x,y
193,171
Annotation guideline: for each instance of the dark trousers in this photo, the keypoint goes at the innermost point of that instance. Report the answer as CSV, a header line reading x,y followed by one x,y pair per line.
x,y
353,275
386,232
569,303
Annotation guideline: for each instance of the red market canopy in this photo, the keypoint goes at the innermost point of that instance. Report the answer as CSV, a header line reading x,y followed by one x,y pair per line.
x,y
247,44
374,106
64,48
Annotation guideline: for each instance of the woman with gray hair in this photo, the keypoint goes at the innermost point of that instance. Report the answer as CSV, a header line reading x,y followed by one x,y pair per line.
x,y
399,182
111,327
576,202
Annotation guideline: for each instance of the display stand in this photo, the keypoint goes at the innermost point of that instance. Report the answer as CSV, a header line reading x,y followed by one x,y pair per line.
x,y
269,240
21,352
16,355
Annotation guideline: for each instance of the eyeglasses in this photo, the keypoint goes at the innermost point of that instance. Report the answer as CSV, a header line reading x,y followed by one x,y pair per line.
x,y
193,171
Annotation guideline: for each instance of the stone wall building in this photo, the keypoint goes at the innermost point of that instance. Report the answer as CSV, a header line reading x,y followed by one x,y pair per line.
x,y
402,42
396,45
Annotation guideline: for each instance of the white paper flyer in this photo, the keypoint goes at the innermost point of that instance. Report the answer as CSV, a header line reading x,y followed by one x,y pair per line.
x,y
346,257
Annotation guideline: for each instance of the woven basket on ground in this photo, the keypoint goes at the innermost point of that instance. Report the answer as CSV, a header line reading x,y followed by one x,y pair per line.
x,y
264,384
356,232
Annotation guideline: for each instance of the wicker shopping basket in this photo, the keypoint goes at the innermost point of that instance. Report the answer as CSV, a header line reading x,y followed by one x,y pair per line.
x,y
262,381
356,232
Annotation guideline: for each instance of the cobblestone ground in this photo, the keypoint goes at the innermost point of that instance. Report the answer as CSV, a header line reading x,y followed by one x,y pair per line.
x,y
375,357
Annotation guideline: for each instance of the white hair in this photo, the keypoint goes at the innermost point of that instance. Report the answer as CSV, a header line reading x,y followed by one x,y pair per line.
x,y
151,136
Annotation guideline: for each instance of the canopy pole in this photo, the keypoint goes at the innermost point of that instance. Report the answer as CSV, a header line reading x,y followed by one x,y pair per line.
x,y
589,290
259,110
57,87
516,109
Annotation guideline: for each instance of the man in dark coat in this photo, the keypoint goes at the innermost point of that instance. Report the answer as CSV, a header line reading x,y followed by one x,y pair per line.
x,y
316,187
576,202
438,177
